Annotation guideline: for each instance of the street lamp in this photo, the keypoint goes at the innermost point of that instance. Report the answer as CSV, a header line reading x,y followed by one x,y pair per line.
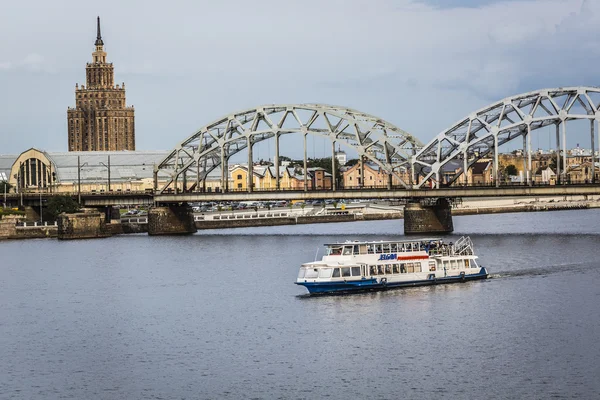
x,y
5,181
19,176
40,190
108,167
79,166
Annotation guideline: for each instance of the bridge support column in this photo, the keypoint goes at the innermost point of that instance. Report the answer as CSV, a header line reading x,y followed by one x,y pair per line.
x,y
111,214
171,220
32,213
420,218
83,225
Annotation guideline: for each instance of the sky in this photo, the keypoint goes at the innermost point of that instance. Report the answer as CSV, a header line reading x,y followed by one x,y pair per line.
x,y
422,65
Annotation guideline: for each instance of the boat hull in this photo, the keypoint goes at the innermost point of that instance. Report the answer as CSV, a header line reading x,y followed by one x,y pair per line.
x,y
372,284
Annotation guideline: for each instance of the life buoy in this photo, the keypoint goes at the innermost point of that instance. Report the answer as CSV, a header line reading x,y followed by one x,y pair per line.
x,y
383,281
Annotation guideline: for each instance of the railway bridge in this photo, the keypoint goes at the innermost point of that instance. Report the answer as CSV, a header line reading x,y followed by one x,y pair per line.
x,y
415,171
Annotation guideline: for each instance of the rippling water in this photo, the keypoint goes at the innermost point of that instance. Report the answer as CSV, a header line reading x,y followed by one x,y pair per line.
x,y
216,315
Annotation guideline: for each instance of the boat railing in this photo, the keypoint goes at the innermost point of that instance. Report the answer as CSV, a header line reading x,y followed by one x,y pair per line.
x,y
463,246
442,250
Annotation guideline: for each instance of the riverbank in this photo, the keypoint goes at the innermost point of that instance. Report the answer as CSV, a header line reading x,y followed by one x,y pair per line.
x,y
358,212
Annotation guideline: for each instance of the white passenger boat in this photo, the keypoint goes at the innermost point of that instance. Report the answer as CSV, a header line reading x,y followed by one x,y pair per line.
x,y
360,266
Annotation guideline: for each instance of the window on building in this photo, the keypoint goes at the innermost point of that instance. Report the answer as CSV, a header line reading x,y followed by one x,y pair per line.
x,y
239,176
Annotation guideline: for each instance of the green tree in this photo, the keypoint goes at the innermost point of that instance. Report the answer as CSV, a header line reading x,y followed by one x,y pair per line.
x,y
59,204
5,186
352,162
511,170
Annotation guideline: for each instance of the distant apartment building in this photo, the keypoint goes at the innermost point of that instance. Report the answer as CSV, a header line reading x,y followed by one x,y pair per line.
x,y
100,121
374,176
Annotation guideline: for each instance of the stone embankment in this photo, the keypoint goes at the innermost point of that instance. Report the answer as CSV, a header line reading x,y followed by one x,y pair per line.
x,y
90,224
495,206
84,225
11,227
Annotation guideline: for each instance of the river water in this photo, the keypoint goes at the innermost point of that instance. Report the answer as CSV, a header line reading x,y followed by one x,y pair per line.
x,y
216,315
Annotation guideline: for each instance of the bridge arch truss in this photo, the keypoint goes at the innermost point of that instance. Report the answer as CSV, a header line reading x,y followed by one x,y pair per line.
x,y
210,148
481,133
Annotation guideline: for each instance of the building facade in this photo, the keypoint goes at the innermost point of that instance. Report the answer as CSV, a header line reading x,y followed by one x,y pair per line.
x,y
100,121
374,176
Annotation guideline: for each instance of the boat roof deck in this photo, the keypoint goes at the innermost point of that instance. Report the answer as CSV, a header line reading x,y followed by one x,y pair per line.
x,y
348,243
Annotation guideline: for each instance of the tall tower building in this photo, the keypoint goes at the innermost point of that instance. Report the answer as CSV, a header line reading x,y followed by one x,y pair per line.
x,y
100,120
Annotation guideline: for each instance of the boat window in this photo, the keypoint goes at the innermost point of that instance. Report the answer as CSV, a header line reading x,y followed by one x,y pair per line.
x,y
345,271
410,268
388,268
355,271
453,264
347,250
460,264
432,265
301,273
380,269
325,272
417,267
336,272
378,248
467,263
370,249
446,264
311,273
335,251
396,268
356,251
394,247
373,269
363,249
386,248
402,268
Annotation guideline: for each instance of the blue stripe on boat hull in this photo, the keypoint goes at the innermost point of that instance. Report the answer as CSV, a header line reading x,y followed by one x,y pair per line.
x,y
372,284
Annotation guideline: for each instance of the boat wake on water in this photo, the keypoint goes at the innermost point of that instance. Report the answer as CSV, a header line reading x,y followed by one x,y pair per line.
x,y
547,270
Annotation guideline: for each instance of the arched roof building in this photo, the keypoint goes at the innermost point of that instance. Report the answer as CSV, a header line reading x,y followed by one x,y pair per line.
x,y
35,170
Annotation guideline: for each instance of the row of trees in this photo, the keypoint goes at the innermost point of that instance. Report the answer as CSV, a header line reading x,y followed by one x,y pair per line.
x,y
56,205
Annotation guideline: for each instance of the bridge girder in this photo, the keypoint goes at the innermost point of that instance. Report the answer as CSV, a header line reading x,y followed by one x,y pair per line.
x,y
483,131
390,147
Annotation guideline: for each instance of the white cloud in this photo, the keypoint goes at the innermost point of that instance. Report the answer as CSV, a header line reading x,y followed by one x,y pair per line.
x,y
33,62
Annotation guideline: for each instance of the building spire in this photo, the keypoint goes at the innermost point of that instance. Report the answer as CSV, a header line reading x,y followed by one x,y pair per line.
x,y
99,41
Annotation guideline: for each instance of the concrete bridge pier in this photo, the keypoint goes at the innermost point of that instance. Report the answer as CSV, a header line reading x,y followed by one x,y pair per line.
x,y
111,214
420,218
32,213
171,220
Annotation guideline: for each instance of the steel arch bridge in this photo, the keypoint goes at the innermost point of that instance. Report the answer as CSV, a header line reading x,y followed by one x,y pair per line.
x,y
188,165
481,133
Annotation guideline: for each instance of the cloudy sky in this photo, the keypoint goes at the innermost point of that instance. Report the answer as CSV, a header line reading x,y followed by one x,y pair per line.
x,y
420,64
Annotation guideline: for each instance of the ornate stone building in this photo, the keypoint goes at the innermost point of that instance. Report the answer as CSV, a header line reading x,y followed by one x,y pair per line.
x,y
100,120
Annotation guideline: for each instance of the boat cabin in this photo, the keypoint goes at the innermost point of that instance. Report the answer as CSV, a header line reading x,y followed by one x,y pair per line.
x,y
363,248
